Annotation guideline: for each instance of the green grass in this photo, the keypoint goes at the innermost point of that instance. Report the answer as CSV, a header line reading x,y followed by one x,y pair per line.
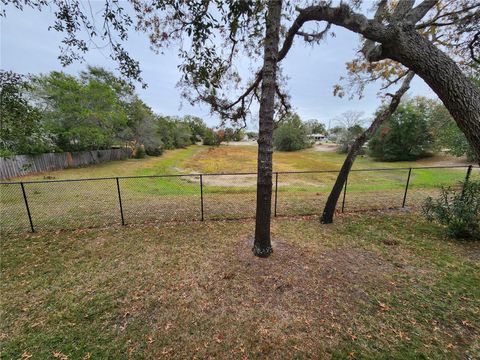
x,y
368,287
149,199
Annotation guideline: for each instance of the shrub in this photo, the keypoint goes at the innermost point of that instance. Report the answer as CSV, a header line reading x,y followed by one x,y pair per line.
x,y
291,135
139,152
458,210
405,135
211,138
154,150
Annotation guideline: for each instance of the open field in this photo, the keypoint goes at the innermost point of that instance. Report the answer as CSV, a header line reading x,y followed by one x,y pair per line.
x,y
374,286
79,204
227,159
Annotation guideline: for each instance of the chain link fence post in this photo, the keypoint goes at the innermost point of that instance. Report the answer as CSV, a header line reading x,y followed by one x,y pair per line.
x,y
27,207
406,188
120,201
276,194
201,195
467,177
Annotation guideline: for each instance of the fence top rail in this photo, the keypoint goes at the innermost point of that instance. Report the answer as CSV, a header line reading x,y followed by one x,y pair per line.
x,y
230,174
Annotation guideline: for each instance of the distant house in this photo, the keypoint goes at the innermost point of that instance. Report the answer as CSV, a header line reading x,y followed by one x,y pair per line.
x,y
317,137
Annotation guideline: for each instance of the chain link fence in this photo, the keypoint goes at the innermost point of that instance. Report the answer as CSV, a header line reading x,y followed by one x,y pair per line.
x,y
82,203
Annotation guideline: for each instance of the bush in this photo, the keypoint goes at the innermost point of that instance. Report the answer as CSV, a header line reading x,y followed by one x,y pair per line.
x,y
405,135
154,150
139,152
211,138
458,210
291,135
289,139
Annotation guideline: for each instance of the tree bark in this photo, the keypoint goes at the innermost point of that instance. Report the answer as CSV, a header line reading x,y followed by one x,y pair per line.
x,y
459,95
329,210
262,244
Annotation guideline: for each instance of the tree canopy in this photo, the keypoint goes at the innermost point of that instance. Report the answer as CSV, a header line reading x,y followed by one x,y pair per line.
x,y
94,110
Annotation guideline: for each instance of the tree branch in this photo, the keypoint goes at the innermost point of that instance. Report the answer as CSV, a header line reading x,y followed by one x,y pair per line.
x,y
402,8
345,17
314,37
417,13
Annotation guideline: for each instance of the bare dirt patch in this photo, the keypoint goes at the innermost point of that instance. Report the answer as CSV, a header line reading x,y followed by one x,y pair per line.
x,y
326,147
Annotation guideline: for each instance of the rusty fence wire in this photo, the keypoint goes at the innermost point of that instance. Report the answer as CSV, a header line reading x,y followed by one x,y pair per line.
x,y
82,203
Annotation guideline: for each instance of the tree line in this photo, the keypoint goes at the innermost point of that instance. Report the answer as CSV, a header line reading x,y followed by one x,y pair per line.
x,y
92,111
420,127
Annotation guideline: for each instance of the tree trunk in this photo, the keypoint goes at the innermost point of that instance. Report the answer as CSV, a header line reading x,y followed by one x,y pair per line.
x,y
262,245
459,95
329,210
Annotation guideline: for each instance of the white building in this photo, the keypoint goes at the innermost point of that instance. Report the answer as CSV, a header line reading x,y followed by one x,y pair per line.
x,y
317,137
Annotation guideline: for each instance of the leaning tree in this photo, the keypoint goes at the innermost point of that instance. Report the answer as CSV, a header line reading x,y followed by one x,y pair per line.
x,y
362,72
214,34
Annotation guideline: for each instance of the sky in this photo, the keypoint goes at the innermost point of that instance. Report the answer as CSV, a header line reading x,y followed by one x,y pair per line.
x,y
28,46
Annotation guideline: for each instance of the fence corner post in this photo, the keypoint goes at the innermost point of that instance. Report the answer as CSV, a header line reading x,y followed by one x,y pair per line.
x,y
120,201
201,196
27,207
406,188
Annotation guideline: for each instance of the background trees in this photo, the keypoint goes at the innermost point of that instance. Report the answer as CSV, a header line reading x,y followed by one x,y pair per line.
x,y
406,134
314,126
349,128
94,110
84,113
21,127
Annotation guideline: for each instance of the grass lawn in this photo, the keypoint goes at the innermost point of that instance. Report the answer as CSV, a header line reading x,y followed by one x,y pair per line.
x,y
375,286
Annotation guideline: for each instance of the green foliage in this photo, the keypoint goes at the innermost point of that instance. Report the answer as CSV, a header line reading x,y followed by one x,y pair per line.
x,y
315,127
406,135
211,138
94,110
141,127
182,134
239,135
21,128
197,127
230,134
84,113
174,132
139,152
458,210
291,135
448,136
153,151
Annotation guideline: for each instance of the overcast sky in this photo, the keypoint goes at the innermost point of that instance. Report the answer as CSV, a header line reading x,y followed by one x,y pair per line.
x,y
27,46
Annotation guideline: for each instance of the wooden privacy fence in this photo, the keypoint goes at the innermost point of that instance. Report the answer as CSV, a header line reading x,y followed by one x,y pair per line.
x,y
20,165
